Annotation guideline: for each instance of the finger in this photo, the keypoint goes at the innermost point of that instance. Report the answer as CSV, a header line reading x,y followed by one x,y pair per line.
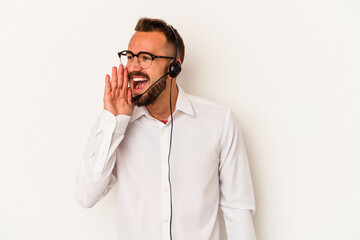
x,y
114,78
120,76
107,85
125,83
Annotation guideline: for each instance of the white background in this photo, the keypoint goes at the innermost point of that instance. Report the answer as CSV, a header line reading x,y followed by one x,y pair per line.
x,y
288,69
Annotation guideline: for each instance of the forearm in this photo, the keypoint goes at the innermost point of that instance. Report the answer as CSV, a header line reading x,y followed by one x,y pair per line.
x,y
239,224
95,176
88,192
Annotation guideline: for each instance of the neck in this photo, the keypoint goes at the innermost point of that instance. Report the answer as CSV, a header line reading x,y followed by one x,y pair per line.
x,y
160,108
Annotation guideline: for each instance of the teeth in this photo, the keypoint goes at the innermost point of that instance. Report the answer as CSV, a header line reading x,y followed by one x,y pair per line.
x,y
139,79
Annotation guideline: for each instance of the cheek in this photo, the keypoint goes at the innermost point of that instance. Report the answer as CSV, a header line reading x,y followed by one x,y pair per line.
x,y
161,72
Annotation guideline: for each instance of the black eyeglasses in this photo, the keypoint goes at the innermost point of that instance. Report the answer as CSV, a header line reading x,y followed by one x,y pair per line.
x,y
145,59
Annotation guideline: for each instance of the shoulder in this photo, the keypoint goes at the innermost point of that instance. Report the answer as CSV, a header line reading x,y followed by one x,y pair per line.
x,y
203,105
206,103
210,111
203,109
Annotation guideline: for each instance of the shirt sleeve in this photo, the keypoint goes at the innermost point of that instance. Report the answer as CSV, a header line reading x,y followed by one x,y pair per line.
x,y
236,190
97,173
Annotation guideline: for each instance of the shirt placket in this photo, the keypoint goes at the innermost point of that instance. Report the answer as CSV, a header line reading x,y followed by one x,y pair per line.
x,y
165,186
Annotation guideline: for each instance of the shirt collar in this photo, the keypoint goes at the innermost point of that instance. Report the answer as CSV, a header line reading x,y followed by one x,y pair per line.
x,y
183,104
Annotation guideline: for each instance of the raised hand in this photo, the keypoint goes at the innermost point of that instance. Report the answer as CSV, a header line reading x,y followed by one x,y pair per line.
x,y
117,96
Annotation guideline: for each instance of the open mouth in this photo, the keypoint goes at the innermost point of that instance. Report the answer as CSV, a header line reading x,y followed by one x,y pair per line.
x,y
138,83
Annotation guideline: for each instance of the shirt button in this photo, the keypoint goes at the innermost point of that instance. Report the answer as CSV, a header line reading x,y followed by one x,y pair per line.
x,y
164,160
163,130
166,220
165,190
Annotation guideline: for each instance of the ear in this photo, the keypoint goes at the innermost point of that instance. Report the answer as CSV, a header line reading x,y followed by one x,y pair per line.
x,y
178,60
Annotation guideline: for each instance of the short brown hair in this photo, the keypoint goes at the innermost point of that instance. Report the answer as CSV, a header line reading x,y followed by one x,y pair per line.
x,y
158,25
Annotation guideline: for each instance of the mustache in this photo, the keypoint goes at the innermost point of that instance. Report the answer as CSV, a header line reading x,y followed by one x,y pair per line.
x,y
138,74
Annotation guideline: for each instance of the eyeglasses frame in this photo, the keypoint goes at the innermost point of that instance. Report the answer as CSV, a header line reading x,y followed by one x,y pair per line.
x,y
136,55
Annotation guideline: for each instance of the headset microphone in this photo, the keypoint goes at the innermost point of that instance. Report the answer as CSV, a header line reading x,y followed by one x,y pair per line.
x,y
136,98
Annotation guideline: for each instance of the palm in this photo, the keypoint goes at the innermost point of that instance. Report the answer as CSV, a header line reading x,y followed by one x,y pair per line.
x,y
117,96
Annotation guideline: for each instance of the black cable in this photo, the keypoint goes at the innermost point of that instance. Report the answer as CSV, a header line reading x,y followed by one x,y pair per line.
x,y
171,131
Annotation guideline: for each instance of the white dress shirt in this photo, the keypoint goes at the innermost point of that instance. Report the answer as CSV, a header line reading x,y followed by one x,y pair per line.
x,y
208,169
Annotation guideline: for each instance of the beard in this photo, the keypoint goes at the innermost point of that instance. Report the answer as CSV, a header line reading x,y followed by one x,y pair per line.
x,y
153,92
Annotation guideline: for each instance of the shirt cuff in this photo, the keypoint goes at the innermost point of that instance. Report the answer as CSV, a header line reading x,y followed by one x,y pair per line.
x,y
121,123
106,121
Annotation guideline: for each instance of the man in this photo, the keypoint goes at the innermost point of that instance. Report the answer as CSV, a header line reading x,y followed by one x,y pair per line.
x,y
173,172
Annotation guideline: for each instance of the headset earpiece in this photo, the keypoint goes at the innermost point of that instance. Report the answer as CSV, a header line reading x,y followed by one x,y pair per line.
x,y
175,69
175,66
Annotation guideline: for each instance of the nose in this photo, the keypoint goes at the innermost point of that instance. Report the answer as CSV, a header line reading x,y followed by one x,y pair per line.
x,y
134,65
